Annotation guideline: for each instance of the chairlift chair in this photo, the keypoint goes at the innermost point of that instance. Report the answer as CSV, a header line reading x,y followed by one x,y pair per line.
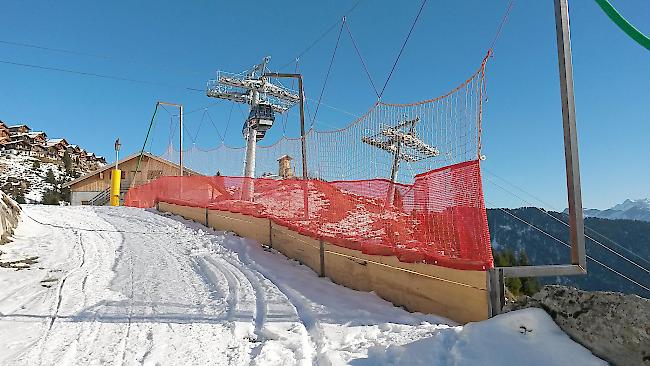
x,y
260,118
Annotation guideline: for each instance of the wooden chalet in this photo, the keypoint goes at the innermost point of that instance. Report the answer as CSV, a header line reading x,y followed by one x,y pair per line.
x,y
16,129
93,187
56,148
38,151
17,147
5,135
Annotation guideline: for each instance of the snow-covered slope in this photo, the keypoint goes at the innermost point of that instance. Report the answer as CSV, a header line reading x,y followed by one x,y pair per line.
x,y
19,170
127,286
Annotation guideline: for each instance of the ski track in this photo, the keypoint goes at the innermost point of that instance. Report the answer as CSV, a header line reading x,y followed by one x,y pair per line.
x,y
146,288
105,293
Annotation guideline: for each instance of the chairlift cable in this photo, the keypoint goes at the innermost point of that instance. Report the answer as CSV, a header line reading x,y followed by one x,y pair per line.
x,y
567,225
365,68
327,75
424,2
567,245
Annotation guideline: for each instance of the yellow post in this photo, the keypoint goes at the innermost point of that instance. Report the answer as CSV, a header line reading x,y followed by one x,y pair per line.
x,y
115,187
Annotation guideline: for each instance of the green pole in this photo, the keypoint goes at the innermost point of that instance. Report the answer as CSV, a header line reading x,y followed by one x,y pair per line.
x,y
622,23
137,167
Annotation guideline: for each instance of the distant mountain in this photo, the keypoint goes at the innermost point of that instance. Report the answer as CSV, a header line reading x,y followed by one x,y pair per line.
x,y
628,210
506,232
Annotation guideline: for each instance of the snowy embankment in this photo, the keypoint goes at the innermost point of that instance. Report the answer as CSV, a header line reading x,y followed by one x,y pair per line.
x,y
17,170
128,286
9,215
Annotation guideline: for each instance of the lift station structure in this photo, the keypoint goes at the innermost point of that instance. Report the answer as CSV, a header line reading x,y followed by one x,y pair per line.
x,y
265,98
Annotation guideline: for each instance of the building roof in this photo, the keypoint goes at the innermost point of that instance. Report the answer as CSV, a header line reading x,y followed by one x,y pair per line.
x,y
19,126
52,142
130,157
36,133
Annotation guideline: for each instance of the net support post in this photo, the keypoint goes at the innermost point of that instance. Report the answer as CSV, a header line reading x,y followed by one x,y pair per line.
x,y
270,233
576,216
496,291
207,219
322,258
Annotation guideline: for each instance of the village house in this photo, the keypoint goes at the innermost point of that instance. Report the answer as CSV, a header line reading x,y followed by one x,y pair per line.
x,y
56,148
38,138
73,152
5,135
16,129
38,151
18,147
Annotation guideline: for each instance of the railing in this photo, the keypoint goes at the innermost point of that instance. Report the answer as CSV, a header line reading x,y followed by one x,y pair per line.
x,y
101,198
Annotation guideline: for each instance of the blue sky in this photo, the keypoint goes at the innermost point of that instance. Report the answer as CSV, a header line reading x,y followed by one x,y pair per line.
x,y
181,44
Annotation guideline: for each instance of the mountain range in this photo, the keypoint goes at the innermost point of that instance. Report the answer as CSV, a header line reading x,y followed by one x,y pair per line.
x,y
630,238
629,210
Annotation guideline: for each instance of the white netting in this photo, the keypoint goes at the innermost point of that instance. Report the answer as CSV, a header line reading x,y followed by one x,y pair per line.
x,y
426,135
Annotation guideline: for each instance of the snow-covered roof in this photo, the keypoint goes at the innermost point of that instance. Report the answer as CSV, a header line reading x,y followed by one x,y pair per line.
x,y
37,133
52,142
19,126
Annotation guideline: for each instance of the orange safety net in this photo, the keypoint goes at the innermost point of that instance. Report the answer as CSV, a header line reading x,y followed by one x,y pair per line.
x,y
439,219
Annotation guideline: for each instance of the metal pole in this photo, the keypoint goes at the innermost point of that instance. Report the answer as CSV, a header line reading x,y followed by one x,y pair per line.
x,y
576,216
303,138
301,94
251,146
576,219
251,142
180,157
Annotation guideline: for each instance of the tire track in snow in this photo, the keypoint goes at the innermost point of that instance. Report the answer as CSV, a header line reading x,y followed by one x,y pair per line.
x,y
306,316
59,296
263,286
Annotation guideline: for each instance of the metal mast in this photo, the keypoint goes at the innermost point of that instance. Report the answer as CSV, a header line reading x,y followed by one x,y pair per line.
x,y
265,99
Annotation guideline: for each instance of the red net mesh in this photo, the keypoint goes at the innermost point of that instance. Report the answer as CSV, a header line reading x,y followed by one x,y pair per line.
x,y
439,219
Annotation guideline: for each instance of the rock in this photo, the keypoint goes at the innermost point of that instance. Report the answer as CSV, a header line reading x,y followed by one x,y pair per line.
x,y
9,214
614,326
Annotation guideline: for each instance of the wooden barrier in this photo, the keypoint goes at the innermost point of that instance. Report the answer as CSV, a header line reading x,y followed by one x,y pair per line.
x,y
459,295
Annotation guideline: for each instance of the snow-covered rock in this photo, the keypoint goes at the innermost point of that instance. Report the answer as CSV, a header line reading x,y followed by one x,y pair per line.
x,y
516,338
614,326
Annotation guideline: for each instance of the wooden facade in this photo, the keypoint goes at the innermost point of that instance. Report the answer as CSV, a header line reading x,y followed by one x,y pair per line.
x,y
16,129
5,135
151,168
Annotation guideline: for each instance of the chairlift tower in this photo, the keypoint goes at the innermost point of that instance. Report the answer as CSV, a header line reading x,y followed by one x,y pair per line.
x,y
265,99
402,142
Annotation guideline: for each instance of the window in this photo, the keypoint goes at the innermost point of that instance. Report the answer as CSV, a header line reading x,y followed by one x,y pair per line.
x,y
85,203
101,175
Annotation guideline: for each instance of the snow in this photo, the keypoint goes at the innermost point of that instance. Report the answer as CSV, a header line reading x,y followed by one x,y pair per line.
x,y
21,167
129,286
